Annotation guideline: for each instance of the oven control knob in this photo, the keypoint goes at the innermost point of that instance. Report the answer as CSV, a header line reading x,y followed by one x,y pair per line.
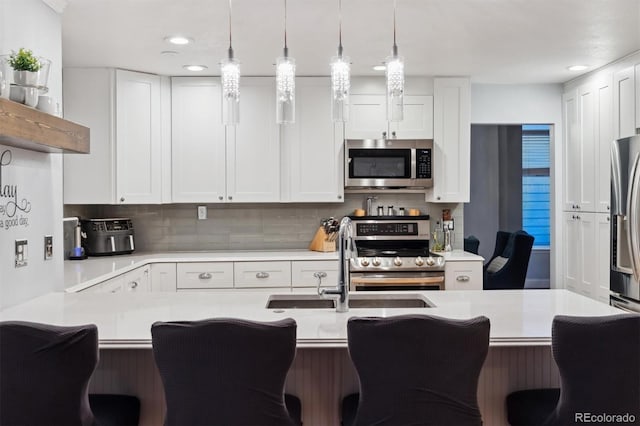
x,y
431,261
419,261
375,261
397,261
364,261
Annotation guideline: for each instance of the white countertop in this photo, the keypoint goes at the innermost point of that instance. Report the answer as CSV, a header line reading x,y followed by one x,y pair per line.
x,y
80,274
518,317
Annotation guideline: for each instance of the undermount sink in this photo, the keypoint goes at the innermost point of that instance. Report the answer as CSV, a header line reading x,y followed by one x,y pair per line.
x,y
362,301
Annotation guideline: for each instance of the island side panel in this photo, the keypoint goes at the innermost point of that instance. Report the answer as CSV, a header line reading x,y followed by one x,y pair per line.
x,y
321,377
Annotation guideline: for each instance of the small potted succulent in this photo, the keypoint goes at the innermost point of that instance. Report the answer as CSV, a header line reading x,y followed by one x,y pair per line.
x,y
25,67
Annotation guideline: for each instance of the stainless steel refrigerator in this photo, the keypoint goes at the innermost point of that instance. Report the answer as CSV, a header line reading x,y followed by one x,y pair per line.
x,y
625,223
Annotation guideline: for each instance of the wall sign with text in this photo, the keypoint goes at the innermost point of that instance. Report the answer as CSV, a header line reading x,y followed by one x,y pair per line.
x,y
14,206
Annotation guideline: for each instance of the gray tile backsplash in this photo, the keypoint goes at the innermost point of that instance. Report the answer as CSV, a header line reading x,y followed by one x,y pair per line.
x,y
175,227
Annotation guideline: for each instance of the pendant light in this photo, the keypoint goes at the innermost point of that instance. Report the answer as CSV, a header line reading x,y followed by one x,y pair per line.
x,y
340,79
395,79
285,83
230,81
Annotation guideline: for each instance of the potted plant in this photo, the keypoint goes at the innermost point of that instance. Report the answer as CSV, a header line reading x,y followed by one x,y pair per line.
x,y
25,67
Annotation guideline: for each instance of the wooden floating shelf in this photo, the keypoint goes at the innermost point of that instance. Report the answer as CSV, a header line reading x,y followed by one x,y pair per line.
x,y
28,128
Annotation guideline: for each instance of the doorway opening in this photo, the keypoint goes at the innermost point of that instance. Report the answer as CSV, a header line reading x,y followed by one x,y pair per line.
x,y
511,190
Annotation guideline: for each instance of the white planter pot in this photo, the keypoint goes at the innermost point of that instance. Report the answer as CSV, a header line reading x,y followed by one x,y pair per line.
x,y
25,78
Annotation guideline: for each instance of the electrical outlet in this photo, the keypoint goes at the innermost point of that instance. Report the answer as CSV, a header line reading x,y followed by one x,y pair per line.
x,y
48,247
21,253
202,212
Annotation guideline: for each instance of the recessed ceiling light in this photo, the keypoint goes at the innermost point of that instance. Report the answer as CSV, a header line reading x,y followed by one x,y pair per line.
x,y
577,67
194,67
168,53
179,40
379,68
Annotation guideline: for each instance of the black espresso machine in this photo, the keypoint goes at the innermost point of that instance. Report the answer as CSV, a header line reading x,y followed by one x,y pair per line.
x,y
104,237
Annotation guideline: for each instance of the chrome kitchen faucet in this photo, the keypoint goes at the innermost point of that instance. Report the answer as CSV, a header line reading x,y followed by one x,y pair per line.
x,y
346,251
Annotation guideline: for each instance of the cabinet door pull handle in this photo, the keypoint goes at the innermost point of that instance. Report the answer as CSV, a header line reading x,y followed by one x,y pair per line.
x,y
462,278
262,275
133,284
220,197
122,199
205,276
607,218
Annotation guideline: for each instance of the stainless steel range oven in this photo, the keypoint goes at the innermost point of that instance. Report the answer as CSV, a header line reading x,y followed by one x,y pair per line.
x,y
393,254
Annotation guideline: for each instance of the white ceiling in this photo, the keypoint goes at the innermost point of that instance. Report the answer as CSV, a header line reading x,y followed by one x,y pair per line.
x,y
493,41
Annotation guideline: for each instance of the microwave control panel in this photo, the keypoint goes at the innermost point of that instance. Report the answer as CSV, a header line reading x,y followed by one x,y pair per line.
x,y
423,164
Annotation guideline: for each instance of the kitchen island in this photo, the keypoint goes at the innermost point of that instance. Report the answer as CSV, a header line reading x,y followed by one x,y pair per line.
x,y
322,373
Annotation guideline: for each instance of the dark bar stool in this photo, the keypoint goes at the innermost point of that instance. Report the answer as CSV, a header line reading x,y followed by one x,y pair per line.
x,y
44,378
599,363
226,371
416,369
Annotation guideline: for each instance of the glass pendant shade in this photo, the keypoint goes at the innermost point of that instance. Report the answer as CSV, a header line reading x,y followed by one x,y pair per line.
x,y
285,90
395,88
340,85
230,80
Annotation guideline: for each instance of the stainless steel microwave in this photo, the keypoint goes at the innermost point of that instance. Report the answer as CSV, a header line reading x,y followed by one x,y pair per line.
x,y
388,163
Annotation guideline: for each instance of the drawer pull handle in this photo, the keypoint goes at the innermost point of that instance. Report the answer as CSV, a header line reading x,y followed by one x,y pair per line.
x,y
262,275
133,284
205,276
462,278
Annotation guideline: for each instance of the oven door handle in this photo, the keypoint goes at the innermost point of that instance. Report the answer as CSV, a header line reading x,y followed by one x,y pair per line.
x,y
403,280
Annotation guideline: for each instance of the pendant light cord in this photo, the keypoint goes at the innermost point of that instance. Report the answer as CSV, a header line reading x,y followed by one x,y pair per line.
x,y
395,47
230,48
286,49
339,28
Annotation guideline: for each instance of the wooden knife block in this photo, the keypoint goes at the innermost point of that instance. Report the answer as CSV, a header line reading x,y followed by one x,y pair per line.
x,y
320,242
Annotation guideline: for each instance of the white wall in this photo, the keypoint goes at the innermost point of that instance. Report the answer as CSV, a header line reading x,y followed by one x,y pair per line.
x,y
36,176
528,104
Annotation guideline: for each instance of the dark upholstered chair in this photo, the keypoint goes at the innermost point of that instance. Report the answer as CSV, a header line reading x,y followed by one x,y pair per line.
x,y
44,378
507,268
599,363
416,369
226,371
471,244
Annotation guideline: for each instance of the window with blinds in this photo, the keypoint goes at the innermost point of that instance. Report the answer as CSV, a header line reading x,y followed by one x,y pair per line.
x,y
536,213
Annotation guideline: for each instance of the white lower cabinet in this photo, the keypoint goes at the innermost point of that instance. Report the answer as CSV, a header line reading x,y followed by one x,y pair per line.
x,y
262,274
204,275
586,254
603,254
138,280
464,275
163,277
305,274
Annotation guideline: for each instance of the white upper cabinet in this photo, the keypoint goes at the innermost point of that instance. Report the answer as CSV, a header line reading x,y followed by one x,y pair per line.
x,y
585,161
198,166
253,146
367,116
624,95
312,147
588,118
123,111
417,122
451,137
604,136
572,150
138,138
